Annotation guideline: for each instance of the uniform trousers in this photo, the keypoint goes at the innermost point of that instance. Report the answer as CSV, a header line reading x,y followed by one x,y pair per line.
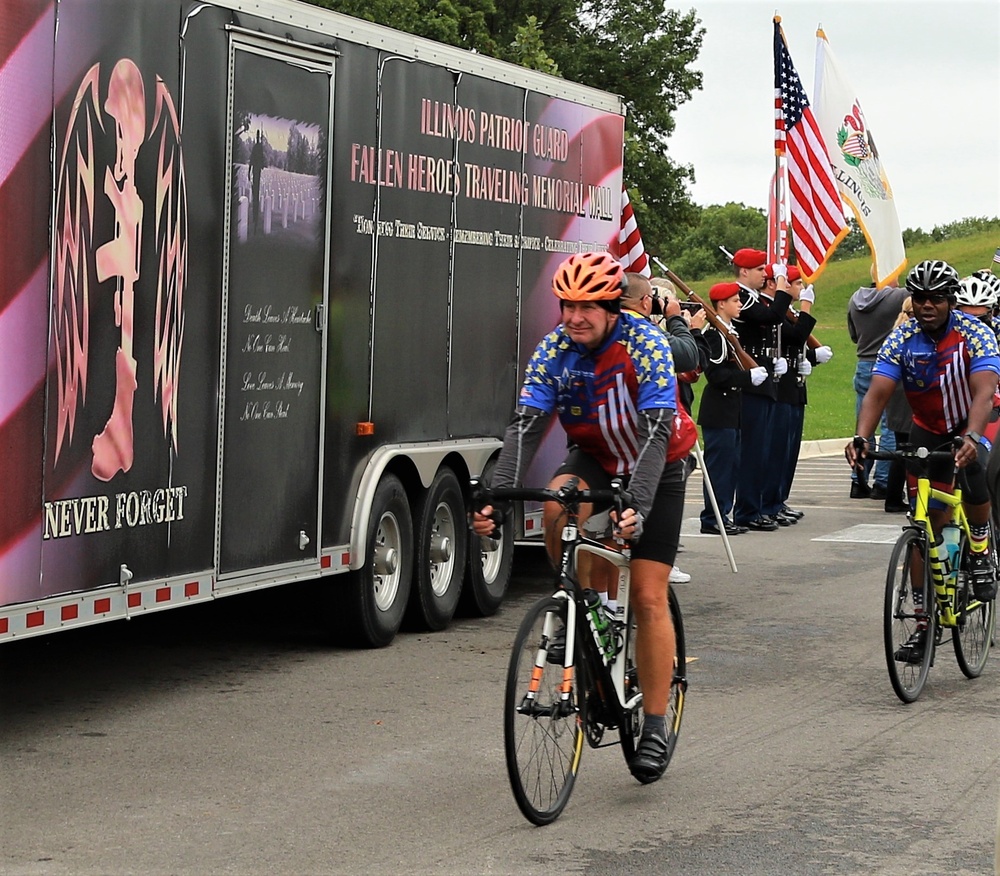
x,y
756,456
722,462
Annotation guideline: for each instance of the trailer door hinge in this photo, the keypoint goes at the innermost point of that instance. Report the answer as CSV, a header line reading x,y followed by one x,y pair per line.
x,y
320,317
303,540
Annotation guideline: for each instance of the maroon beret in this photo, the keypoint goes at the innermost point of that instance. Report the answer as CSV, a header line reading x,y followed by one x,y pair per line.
x,y
722,291
749,258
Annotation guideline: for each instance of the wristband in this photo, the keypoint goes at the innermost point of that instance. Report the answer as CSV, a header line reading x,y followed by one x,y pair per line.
x,y
975,436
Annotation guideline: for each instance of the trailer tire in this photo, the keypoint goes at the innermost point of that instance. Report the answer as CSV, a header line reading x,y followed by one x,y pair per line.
x,y
487,573
441,539
380,590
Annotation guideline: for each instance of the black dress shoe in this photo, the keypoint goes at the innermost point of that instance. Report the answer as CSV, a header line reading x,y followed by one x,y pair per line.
x,y
781,521
860,490
790,519
877,492
762,524
896,507
731,529
791,512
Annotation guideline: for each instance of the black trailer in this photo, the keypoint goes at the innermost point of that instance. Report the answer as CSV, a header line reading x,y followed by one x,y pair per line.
x,y
270,275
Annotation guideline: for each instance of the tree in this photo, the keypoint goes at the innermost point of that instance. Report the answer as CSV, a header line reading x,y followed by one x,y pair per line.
x,y
734,226
641,51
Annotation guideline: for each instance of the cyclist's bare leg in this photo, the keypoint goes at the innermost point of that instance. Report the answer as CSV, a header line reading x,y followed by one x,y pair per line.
x,y
655,645
554,518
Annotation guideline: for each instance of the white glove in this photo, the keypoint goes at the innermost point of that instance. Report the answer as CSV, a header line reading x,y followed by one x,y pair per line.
x,y
780,367
805,367
807,294
779,271
823,355
758,375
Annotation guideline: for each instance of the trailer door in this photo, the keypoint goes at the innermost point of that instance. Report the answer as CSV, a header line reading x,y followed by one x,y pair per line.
x,y
274,304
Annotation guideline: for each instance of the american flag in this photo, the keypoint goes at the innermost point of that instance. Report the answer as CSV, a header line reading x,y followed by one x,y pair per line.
x,y
996,256
631,252
816,213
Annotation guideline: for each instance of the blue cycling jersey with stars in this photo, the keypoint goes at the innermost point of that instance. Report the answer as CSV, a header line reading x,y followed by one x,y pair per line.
x,y
935,374
597,394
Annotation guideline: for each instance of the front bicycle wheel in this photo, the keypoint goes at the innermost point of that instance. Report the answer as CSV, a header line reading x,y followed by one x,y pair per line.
x,y
631,729
973,635
543,733
907,586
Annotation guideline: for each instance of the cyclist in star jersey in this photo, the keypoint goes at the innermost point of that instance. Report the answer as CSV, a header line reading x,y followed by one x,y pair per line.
x,y
948,363
609,376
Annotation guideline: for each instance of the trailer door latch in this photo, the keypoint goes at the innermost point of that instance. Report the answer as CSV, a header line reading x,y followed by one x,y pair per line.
x,y
320,317
303,539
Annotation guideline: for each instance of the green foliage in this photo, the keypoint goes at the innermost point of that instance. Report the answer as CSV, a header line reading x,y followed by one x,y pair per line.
x,y
696,253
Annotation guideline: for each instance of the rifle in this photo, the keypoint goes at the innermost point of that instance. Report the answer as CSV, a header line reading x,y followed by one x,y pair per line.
x,y
738,354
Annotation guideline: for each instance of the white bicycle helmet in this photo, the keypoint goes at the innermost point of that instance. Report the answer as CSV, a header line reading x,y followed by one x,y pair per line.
x,y
933,277
974,292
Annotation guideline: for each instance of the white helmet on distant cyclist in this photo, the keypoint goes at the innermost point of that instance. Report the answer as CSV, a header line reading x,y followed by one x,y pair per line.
x,y
974,292
990,279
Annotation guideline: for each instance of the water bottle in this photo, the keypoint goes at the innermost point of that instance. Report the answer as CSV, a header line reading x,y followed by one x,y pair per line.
x,y
950,535
599,623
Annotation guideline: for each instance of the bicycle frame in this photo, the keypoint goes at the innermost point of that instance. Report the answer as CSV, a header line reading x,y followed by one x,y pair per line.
x,y
944,588
573,544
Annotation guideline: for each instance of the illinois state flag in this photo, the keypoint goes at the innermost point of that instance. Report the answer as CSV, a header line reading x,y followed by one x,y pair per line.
x,y
857,166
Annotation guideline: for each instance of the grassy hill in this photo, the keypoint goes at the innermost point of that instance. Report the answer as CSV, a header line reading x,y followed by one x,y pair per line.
x,y
831,391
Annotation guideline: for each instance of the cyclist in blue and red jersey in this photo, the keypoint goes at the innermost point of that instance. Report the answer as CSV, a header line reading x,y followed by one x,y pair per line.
x,y
948,363
609,376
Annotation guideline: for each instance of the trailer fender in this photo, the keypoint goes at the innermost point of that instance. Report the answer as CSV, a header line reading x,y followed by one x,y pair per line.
x,y
425,459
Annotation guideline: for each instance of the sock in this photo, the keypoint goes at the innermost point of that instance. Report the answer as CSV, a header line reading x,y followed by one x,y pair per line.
x,y
612,606
980,540
604,597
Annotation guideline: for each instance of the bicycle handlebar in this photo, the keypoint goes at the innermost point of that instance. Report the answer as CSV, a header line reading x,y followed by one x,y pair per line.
x,y
920,453
569,494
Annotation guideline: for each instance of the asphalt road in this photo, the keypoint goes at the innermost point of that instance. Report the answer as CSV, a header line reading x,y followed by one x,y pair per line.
x,y
233,739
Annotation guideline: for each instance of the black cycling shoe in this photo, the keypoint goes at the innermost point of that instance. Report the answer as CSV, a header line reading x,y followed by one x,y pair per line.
x,y
912,650
984,585
650,759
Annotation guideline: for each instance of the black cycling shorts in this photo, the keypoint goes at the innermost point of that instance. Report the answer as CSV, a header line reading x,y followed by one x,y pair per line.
x,y
971,479
661,530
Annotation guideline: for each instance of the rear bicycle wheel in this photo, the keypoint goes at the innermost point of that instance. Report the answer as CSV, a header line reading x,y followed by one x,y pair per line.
x,y
973,636
909,574
543,732
631,729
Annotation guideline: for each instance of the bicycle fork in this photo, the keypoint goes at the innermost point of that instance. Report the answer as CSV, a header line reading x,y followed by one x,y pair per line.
x,y
564,706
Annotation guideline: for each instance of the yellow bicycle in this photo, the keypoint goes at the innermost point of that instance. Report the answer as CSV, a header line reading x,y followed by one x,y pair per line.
x,y
930,581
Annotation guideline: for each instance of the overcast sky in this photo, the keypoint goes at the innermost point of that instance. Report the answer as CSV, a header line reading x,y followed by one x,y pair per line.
x,y
927,75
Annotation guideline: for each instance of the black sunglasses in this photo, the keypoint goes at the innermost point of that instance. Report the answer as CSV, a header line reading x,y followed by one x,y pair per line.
x,y
936,298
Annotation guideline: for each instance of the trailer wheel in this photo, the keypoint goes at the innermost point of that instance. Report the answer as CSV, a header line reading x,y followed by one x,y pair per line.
x,y
441,536
487,571
381,588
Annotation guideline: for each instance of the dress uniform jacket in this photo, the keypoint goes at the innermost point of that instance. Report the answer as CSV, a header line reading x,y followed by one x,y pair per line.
x,y
758,329
725,380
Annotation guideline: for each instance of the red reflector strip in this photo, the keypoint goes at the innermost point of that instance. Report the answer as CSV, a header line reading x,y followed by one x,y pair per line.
x,y
102,605
529,524
345,559
134,600
191,588
325,561
34,619
4,625
70,612
163,594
